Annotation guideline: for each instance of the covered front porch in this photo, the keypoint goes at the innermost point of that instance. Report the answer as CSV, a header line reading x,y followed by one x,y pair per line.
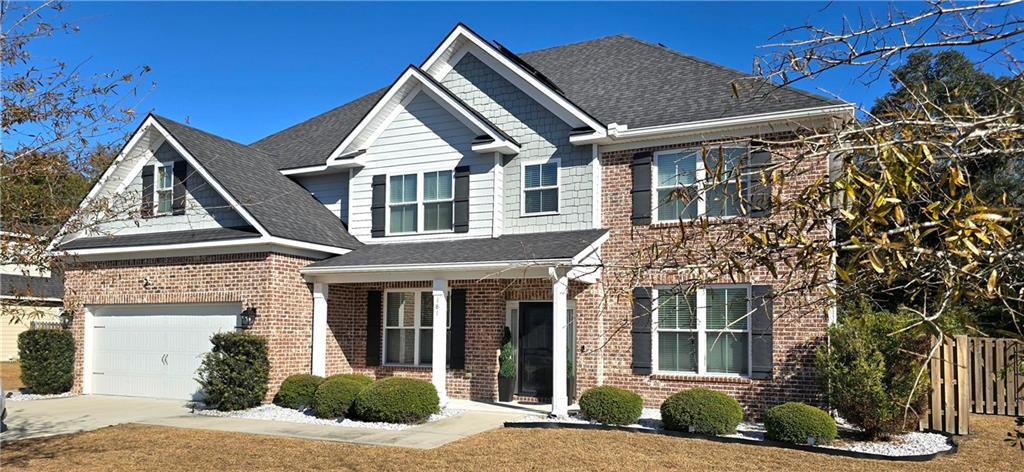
x,y
375,311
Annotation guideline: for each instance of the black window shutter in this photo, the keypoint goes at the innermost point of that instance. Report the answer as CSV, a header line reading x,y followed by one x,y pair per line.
x,y
759,191
461,209
761,346
641,330
458,345
180,177
373,318
641,169
378,206
147,192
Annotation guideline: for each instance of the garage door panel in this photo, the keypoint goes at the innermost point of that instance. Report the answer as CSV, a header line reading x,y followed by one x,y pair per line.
x,y
154,350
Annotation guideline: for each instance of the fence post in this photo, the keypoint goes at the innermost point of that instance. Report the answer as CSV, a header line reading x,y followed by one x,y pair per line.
x,y
963,387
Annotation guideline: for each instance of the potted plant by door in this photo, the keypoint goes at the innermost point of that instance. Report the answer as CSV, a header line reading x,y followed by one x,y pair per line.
x,y
506,367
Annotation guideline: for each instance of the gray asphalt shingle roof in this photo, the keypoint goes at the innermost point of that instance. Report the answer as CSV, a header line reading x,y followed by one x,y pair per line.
x,y
278,203
164,237
27,287
616,79
505,248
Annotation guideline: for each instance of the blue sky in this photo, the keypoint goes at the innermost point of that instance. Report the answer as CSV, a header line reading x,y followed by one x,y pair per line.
x,y
245,70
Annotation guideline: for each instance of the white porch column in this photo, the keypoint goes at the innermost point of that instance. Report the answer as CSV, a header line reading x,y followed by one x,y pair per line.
x,y
319,361
560,377
439,339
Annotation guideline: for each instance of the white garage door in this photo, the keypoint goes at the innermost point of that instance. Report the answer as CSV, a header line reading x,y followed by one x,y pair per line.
x,y
154,350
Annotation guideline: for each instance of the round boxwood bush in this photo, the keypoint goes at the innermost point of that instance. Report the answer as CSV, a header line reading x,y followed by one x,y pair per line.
x,y
397,400
234,373
706,411
611,405
334,397
795,422
297,391
363,379
47,360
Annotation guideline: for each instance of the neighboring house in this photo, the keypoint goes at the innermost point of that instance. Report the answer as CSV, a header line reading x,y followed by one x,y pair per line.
x,y
475,192
28,293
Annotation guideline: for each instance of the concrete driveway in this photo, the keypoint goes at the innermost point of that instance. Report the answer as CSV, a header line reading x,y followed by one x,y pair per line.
x,y
37,418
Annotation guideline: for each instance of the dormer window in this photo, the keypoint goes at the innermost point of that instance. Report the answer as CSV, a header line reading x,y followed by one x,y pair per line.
x,y
164,189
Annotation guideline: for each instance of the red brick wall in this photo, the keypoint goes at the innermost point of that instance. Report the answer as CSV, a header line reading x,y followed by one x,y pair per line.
x,y
269,282
800,326
485,317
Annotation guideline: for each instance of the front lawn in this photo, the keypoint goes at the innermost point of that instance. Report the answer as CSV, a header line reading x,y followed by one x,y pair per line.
x,y
136,447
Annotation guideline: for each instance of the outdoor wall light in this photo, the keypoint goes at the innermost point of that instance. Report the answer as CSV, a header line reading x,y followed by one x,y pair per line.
x,y
65,319
247,318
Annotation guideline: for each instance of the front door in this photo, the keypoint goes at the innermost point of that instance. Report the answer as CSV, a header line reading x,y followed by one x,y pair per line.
x,y
536,328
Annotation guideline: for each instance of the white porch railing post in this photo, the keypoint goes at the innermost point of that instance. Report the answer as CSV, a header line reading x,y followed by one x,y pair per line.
x,y
440,339
318,365
560,378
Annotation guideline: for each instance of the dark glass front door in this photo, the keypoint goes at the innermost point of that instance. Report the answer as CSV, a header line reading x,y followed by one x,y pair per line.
x,y
536,327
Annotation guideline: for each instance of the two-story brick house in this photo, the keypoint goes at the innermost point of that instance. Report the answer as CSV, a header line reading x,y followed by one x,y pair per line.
x,y
481,190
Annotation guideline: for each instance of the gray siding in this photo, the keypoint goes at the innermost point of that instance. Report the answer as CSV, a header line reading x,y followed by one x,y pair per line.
x,y
541,135
424,137
331,190
204,207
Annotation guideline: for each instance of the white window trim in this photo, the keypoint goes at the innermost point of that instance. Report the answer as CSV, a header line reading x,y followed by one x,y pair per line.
x,y
169,168
522,186
701,333
417,328
418,202
700,177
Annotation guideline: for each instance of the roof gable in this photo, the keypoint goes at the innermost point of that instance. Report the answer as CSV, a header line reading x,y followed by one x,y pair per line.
x,y
410,84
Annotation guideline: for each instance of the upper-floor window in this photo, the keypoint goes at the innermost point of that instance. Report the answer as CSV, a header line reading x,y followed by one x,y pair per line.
x,y
408,328
164,189
437,201
700,331
406,202
540,188
403,203
692,182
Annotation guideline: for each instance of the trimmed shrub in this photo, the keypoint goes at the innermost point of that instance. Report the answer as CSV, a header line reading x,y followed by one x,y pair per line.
x,y
47,360
706,411
397,400
334,397
363,379
611,405
297,391
507,356
868,370
795,422
235,372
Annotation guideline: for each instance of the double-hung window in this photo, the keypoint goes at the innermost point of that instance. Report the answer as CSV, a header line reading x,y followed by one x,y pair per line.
x,y
437,201
540,188
703,331
408,328
692,183
164,189
403,207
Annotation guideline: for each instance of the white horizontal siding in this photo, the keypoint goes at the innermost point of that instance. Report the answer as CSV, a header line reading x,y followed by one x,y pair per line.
x,y
424,137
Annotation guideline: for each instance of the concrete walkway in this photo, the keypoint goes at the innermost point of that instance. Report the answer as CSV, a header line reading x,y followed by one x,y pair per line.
x,y
39,418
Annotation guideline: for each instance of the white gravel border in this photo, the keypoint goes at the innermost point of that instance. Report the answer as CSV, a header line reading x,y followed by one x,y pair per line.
x,y
18,396
905,445
277,413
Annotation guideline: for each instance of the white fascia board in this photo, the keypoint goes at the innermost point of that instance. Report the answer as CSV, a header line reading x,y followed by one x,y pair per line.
x,y
590,249
507,148
622,134
452,267
514,73
325,169
229,243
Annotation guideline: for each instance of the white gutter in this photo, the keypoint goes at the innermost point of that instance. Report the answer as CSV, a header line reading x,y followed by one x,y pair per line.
x,y
620,133
487,265
257,241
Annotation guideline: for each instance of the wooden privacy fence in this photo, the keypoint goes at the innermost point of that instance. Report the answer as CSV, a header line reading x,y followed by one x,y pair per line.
x,y
973,375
